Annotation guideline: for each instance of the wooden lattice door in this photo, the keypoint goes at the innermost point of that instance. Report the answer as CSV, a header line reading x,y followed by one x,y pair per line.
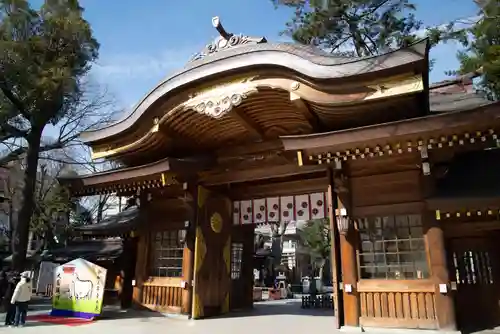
x,y
474,268
242,251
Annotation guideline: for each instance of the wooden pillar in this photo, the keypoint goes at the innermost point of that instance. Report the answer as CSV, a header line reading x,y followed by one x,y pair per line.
x,y
143,245
348,247
437,260
335,251
128,261
436,255
350,276
187,276
141,268
188,255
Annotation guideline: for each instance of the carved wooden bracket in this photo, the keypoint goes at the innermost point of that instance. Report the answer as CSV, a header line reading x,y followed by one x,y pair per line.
x,y
341,184
219,101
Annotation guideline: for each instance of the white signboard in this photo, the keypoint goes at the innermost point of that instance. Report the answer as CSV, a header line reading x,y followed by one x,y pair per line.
x,y
45,277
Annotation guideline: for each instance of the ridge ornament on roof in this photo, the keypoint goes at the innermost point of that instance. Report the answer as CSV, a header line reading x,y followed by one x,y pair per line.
x,y
226,41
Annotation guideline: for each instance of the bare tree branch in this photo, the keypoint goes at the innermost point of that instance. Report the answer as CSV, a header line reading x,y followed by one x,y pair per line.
x,y
94,109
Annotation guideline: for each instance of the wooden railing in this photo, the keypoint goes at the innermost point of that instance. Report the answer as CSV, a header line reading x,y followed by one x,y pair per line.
x,y
398,303
162,294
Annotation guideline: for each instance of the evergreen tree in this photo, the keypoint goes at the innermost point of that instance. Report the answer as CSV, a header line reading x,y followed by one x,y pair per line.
x,y
483,54
44,55
315,241
359,27
52,205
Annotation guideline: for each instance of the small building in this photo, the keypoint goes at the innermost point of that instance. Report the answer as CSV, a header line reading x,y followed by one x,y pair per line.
x,y
251,131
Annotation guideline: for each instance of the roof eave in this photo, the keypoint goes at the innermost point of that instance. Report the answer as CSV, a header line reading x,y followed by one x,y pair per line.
x,y
415,53
414,126
179,169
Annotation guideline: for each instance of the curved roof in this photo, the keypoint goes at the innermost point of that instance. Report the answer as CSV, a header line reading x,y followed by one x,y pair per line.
x,y
122,222
87,249
237,52
131,178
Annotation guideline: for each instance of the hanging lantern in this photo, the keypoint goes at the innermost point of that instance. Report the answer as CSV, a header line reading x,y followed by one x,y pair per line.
x,y
343,220
426,168
343,223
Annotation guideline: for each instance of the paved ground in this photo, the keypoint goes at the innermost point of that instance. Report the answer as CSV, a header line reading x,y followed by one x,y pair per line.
x,y
287,316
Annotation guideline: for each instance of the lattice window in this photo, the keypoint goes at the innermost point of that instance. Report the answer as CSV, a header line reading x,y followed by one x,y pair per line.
x,y
288,260
236,258
392,248
473,267
166,253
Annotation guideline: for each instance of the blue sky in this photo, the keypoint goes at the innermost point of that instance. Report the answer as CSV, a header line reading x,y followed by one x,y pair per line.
x,y
143,41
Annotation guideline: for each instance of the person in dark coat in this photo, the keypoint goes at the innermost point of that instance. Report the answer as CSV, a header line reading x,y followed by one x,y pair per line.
x,y
13,278
3,284
3,289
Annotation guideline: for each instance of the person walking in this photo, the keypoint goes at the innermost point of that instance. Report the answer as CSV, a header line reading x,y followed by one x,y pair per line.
x,y
12,279
20,298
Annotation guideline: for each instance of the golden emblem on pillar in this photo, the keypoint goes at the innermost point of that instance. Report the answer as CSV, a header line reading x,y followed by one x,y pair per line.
x,y
216,222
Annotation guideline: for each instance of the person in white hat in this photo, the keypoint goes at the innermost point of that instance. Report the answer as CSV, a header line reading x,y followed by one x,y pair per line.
x,y
21,297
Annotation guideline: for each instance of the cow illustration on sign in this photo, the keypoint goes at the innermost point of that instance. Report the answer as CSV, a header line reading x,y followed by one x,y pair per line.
x,y
78,289
82,289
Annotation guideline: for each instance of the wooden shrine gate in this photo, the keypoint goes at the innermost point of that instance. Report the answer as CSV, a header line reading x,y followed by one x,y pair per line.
x,y
474,268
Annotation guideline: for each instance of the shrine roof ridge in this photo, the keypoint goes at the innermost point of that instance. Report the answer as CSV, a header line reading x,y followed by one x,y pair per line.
x,y
241,44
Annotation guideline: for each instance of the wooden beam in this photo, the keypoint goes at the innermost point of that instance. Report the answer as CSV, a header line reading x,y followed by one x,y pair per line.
x,y
459,204
387,209
257,160
169,192
304,109
290,188
457,230
473,119
256,174
252,148
249,124
168,167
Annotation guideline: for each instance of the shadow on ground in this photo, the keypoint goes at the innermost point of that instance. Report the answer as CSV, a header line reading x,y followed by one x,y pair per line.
x,y
40,307
279,307
117,314
481,330
261,309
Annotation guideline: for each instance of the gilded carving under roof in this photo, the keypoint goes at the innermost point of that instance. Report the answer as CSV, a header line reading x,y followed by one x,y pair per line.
x,y
392,88
226,41
218,101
